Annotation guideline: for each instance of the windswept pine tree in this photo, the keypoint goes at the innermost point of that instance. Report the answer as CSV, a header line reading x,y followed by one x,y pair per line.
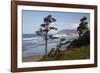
x,y
84,34
83,26
44,29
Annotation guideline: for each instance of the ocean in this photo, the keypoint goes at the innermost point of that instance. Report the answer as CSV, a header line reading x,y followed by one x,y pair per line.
x,y
35,45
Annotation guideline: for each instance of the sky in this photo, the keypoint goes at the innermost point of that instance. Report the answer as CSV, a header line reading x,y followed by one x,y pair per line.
x,y
31,20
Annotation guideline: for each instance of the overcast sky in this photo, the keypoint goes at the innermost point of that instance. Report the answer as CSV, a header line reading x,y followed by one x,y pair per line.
x,y
31,20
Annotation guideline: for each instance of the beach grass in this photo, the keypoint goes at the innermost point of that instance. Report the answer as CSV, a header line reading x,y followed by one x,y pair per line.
x,y
71,54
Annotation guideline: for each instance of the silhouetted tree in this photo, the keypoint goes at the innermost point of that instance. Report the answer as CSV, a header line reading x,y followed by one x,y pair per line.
x,y
83,26
84,34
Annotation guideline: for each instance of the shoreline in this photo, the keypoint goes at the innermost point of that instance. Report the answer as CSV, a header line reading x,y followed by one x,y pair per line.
x,y
67,54
33,58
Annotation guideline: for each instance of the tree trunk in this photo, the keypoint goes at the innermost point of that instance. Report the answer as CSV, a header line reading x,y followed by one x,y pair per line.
x,y
46,41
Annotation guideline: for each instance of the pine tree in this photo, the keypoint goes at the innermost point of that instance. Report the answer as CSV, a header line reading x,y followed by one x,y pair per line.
x,y
44,29
83,26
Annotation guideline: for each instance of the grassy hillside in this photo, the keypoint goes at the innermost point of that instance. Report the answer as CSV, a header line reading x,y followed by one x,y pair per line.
x,y
71,54
77,49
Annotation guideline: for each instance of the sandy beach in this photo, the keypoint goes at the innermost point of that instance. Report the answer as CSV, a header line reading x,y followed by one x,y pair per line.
x,y
32,58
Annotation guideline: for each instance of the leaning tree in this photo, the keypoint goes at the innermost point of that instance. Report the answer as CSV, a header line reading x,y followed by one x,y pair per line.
x,y
84,32
83,26
44,29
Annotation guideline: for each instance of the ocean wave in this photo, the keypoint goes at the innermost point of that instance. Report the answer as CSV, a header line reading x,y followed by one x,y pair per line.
x,y
33,38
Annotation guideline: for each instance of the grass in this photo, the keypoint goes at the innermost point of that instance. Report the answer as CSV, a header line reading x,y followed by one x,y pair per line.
x,y
71,54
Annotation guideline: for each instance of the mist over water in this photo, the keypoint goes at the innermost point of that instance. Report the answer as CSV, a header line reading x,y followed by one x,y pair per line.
x,y
35,45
